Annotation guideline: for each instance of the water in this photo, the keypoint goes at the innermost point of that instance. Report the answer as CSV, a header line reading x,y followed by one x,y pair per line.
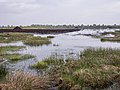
x,y
63,44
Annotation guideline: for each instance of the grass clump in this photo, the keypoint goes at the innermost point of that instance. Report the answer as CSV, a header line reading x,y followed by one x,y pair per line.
x,y
37,41
40,65
17,57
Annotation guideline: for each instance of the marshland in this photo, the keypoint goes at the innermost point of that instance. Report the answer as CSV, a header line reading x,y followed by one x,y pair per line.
x,y
80,60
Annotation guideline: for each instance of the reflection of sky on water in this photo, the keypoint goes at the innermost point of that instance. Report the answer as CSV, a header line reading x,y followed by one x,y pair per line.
x,y
69,44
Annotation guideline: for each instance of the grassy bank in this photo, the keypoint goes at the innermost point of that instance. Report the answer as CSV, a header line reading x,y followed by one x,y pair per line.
x,y
112,39
37,41
96,68
27,39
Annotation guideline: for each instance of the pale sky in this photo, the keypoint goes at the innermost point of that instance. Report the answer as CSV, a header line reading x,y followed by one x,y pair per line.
x,y
26,12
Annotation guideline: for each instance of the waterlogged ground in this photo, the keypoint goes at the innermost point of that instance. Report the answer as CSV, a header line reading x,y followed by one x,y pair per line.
x,y
62,45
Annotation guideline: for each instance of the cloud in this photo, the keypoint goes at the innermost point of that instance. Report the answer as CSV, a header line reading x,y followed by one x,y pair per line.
x,y
59,11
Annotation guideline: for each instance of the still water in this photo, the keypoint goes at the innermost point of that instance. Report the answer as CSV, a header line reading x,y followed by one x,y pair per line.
x,y
63,45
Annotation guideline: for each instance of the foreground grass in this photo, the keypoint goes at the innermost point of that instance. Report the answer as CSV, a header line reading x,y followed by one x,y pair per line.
x,y
27,39
97,68
3,71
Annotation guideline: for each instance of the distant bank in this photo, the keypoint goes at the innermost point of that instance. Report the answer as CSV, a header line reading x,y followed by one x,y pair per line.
x,y
42,31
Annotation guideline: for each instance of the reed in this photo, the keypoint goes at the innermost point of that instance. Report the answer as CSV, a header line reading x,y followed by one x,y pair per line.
x,y
24,81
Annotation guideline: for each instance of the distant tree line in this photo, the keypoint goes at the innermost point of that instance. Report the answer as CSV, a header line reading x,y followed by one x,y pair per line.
x,y
82,26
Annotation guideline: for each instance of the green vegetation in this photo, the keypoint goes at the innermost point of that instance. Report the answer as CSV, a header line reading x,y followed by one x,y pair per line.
x,y
112,39
36,41
6,52
11,48
96,68
27,39
12,37
17,57
48,62
40,65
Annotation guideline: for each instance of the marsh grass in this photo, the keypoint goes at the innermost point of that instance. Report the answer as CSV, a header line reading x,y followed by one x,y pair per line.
x,y
37,41
11,48
12,37
112,39
18,57
27,39
6,52
48,62
40,65
96,68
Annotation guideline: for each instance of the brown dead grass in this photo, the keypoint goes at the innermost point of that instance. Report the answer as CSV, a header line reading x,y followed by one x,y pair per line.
x,y
24,81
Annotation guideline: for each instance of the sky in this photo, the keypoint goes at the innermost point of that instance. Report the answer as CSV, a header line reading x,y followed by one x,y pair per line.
x,y
26,12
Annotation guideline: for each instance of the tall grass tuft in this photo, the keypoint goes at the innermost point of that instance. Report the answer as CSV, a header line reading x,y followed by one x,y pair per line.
x,y
25,81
